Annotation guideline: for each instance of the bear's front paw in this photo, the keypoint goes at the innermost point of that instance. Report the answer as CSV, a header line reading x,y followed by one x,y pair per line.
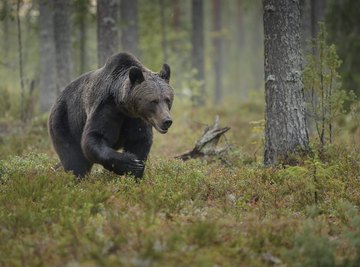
x,y
137,168
128,163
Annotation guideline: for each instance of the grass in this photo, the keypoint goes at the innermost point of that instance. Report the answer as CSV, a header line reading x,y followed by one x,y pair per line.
x,y
182,213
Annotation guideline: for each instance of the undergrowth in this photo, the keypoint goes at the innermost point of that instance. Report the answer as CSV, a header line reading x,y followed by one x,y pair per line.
x,y
227,212
181,214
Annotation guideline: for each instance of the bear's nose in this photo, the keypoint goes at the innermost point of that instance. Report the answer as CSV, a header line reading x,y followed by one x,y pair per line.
x,y
167,123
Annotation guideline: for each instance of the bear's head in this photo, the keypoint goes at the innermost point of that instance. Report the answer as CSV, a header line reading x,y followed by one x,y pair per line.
x,y
151,97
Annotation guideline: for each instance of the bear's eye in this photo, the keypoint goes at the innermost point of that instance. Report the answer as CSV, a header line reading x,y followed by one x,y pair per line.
x,y
168,101
155,102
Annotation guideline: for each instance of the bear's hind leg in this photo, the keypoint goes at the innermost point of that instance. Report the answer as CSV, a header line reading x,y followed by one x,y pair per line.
x,y
73,160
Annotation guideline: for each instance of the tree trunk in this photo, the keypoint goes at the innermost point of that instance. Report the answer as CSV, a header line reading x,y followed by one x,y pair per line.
x,y
317,15
83,39
218,50
164,39
130,32
82,10
285,124
107,30
47,59
6,43
21,67
257,40
198,48
62,34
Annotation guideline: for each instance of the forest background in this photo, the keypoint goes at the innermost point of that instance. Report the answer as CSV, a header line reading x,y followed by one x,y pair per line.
x,y
227,211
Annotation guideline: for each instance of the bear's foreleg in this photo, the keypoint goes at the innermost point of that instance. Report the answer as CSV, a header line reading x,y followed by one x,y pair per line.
x,y
137,138
98,151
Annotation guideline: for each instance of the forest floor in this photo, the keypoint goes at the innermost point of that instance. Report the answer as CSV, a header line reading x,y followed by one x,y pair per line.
x,y
229,211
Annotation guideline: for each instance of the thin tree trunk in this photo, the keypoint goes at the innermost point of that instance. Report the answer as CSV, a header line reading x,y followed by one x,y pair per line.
x,y
198,46
317,15
47,59
83,40
130,31
285,127
107,30
164,40
256,39
62,36
21,67
218,50
6,37
176,15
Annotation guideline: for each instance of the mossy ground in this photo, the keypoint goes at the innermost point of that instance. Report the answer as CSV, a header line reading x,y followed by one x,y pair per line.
x,y
229,212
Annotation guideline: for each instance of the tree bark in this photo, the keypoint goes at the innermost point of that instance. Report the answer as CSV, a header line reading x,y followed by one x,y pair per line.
x,y
197,40
130,31
107,30
285,124
62,36
164,39
218,50
47,58
317,15
21,67
6,43
82,9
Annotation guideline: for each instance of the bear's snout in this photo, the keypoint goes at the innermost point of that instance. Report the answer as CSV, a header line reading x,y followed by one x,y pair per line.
x,y
166,123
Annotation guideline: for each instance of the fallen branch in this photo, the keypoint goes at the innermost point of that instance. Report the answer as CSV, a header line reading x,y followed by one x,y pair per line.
x,y
206,144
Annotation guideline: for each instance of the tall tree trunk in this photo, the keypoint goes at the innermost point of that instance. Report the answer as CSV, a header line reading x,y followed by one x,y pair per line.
x,y
317,15
197,52
176,15
83,39
130,31
47,82
107,30
285,124
82,9
164,39
6,43
62,36
257,40
218,50
21,67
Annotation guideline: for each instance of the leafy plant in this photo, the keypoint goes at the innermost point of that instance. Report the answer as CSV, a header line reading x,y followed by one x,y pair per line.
x,y
325,95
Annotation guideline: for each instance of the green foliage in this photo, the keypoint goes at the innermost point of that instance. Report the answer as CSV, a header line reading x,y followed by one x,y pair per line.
x,y
326,97
182,214
227,212
4,102
340,20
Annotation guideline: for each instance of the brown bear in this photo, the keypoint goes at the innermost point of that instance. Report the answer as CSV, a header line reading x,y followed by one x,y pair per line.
x,y
111,108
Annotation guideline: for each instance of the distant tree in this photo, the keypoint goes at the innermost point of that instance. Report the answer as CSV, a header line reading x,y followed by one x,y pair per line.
x,y
129,30
256,41
62,36
317,15
342,21
47,58
286,132
164,38
21,65
5,18
218,50
81,8
198,46
107,30
176,15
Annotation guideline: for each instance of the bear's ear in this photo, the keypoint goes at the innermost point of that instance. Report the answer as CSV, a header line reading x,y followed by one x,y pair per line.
x,y
136,75
165,73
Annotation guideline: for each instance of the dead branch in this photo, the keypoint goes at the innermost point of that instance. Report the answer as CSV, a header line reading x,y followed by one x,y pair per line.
x,y
206,144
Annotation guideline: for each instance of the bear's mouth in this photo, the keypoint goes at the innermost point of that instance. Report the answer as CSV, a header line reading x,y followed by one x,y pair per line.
x,y
156,126
159,129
